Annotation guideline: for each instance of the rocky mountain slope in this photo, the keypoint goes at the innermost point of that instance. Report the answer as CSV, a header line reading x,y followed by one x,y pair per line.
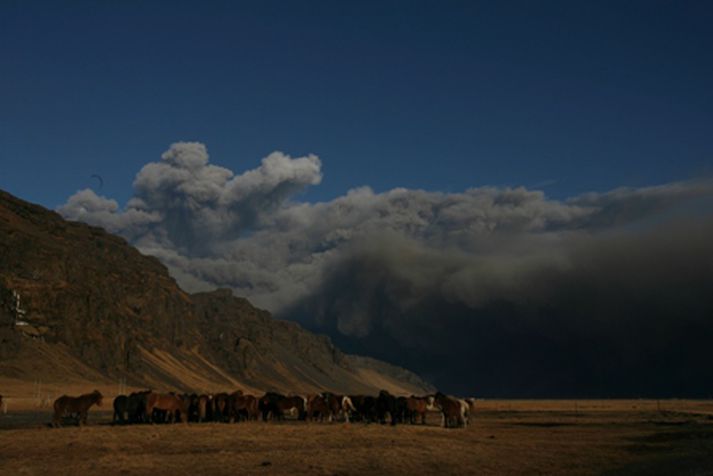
x,y
79,303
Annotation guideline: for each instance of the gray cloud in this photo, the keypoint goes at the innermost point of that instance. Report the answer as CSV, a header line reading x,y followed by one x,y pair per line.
x,y
87,206
412,269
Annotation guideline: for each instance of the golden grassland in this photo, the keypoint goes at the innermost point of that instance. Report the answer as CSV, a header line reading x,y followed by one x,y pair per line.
x,y
505,437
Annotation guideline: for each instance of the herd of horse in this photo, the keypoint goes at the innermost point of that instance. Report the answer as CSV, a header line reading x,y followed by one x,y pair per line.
x,y
152,407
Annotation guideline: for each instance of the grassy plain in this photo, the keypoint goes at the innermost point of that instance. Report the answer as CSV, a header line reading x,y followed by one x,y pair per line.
x,y
505,437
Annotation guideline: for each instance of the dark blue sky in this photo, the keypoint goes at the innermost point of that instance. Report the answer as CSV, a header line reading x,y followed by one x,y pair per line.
x,y
577,96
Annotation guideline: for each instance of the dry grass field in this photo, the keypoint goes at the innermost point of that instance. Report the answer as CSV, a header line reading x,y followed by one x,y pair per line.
x,y
505,437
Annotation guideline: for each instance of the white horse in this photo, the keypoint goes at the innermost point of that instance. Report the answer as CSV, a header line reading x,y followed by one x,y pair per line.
x,y
464,410
433,406
347,406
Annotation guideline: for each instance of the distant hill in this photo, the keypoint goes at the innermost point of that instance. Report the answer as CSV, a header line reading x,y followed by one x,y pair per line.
x,y
80,304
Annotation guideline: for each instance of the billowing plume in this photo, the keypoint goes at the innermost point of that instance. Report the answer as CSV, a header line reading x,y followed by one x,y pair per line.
x,y
502,275
196,205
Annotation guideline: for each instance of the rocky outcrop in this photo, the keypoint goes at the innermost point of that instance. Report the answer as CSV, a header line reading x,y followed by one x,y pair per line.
x,y
9,337
118,311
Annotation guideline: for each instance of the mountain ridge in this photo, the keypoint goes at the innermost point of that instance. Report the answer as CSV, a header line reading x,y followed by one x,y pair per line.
x,y
69,290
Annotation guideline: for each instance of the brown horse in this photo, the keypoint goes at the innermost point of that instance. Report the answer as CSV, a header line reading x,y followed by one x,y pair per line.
x,y
334,402
205,407
318,405
168,403
220,407
244,404
293,403
417,407
277,405
67,406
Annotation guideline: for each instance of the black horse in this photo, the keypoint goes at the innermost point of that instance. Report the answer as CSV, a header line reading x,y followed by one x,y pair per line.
x,y
386,404
365,408
121,410
270,404
136,406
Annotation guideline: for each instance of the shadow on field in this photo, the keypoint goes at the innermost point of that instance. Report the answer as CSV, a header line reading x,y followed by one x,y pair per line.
x,y
686,450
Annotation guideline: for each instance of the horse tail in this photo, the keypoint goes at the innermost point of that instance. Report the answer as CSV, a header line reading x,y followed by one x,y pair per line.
x,y
58,411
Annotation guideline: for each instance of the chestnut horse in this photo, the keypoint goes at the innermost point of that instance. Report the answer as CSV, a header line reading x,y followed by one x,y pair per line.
x,y
451,410
67,406
168,403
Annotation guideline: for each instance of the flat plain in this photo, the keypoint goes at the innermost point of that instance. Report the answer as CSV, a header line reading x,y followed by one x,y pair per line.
x,y
504,437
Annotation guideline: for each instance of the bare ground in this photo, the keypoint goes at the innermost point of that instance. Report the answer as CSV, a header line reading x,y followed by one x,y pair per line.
x,y
505,437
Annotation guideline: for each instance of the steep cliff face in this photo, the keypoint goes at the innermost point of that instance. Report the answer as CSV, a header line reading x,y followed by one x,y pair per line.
x,y
74,289
78,285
